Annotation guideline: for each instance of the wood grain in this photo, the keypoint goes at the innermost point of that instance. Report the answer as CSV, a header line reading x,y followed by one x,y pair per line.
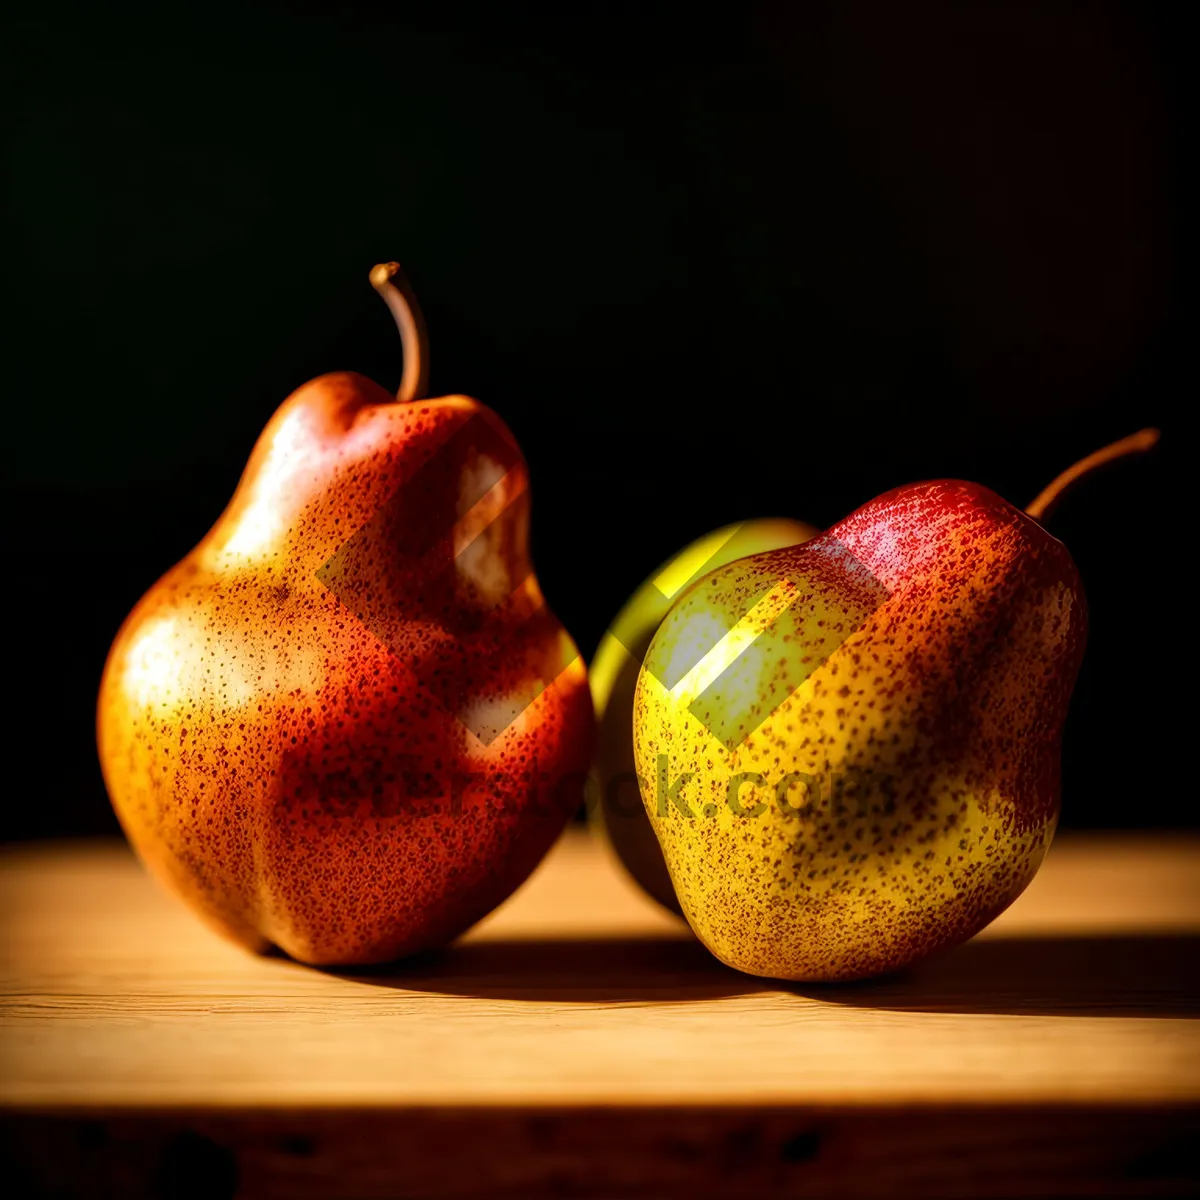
x,y
580,1040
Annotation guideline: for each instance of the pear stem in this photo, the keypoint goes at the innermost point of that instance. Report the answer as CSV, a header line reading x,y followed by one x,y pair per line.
x,y
1047,499
404,308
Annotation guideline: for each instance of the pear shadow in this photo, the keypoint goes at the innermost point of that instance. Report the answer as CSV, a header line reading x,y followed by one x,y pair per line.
x,y
622,970
1103,976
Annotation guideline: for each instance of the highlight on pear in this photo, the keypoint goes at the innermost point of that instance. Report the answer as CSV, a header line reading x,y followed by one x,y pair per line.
x,y
614,807
849,749
347,724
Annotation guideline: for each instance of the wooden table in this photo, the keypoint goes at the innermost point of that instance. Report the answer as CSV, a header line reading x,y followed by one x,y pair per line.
x,y
579,1041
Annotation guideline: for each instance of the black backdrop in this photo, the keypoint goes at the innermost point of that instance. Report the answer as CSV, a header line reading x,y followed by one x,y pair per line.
x,y
760,259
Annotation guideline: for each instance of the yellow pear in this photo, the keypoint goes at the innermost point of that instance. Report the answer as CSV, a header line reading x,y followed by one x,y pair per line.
x,y
849,750
615,808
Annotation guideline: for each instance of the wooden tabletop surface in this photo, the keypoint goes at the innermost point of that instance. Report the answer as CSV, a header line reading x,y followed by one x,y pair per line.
x,y
580,1021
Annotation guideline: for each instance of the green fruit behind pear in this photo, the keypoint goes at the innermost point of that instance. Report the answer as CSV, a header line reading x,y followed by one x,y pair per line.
x,y
616,811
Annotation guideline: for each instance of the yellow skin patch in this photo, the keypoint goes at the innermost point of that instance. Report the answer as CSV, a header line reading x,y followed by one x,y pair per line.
x,y
616,811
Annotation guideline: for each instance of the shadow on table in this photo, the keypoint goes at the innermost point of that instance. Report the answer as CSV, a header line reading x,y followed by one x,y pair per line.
x,y
1105,976
583,970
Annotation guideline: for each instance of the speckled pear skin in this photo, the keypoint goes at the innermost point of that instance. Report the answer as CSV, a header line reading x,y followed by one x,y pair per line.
x,y
615,810
302,726
940,630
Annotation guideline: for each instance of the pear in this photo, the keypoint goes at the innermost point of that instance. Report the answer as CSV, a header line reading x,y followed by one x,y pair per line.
x,y
850,749
347,724
615,809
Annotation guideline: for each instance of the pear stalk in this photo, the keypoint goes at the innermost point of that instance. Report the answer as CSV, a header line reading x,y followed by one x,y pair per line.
x,y
1048,498
388,280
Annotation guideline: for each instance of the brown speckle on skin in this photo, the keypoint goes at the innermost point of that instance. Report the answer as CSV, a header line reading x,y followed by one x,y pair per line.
x,y
306,727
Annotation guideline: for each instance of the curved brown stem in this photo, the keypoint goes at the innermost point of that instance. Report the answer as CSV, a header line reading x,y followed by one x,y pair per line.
x,y
388,280
1047,499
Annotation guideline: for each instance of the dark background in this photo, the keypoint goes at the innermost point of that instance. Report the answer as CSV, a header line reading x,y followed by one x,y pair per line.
x,y
709,264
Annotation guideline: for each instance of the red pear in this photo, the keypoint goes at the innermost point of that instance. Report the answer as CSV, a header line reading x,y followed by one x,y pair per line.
x,y
347,724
